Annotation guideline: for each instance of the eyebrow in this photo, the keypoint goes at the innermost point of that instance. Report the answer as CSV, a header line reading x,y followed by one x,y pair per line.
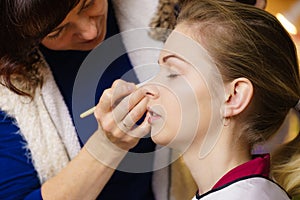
x,y
165,58
172,56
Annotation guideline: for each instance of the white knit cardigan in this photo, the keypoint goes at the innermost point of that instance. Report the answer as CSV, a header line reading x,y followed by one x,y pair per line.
x,y
45,124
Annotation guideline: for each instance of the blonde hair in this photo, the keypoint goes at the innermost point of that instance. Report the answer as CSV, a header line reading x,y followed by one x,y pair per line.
x,y
164,19
245,41
285,167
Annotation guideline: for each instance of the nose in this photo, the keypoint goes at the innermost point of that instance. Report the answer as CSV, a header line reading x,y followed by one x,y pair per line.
x,y
152,91
87,29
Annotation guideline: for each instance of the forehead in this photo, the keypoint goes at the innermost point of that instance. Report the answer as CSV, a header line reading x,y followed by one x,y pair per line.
x,y
181,44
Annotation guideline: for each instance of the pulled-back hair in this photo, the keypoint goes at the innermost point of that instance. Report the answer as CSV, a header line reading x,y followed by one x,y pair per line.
x,y
24,23
245,41
286,166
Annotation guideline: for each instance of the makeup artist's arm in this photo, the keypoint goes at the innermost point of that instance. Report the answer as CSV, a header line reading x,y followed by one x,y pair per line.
x,y
86,175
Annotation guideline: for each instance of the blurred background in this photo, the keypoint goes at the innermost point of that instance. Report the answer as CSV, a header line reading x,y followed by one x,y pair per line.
x,y
288,13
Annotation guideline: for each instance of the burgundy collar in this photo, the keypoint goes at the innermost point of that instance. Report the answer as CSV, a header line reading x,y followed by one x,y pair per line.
x,y
259,165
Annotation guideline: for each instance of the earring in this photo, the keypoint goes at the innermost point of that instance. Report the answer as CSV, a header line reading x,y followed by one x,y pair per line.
x,y
226,121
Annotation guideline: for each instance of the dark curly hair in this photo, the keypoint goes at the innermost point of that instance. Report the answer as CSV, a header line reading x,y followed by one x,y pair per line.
x,y
24,23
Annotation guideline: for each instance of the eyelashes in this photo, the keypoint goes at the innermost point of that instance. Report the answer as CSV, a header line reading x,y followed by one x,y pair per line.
x,y
171,72
53,37
173,75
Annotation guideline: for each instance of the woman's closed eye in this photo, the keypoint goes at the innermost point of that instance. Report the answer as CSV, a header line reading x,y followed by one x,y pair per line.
x,y
173,75
174,64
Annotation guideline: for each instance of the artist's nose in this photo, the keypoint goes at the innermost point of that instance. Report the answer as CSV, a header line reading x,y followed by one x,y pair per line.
x,y
87,29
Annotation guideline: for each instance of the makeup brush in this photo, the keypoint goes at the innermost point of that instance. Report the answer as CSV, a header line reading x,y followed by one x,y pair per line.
x,y
91,110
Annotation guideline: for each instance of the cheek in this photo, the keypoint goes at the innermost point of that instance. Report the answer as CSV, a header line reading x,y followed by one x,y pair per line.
x,y
204,106
210,123
193,115
180,121
101,7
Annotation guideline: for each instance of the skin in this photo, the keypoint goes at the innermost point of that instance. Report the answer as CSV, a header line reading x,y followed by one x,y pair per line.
x,y
229,150
172,115
82,29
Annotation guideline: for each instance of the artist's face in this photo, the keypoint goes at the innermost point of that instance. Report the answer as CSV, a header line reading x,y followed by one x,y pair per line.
x,y
82,29
179,109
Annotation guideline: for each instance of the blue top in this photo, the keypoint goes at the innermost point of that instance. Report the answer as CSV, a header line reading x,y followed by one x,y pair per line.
x,y
18,178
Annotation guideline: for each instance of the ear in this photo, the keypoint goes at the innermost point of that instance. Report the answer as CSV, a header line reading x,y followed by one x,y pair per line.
x,y
240,92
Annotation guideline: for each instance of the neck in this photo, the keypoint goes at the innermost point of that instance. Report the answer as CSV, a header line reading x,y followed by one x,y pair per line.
x,y
226,155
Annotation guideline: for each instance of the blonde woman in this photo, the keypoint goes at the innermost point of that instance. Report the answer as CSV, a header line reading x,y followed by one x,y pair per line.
x,y
229,76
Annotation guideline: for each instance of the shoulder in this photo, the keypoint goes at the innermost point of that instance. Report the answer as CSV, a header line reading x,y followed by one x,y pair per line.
x,y
17,175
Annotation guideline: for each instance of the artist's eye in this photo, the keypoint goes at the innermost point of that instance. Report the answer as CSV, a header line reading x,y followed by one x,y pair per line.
x,y
55,34
89,4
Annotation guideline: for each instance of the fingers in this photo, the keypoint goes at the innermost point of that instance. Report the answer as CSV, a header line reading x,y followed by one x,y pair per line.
x,y
141,130
136,101
128,136
136,113
111,96
130,139
117,112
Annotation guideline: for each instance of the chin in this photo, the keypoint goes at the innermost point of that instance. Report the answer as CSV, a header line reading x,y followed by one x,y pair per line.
x,y
165,139
88,46
161,138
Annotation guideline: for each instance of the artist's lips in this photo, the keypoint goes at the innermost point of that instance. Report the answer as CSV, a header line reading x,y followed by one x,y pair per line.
x,y
153,116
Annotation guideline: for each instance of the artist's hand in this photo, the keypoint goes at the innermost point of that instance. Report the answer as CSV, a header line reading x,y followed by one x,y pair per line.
x,y
117,112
